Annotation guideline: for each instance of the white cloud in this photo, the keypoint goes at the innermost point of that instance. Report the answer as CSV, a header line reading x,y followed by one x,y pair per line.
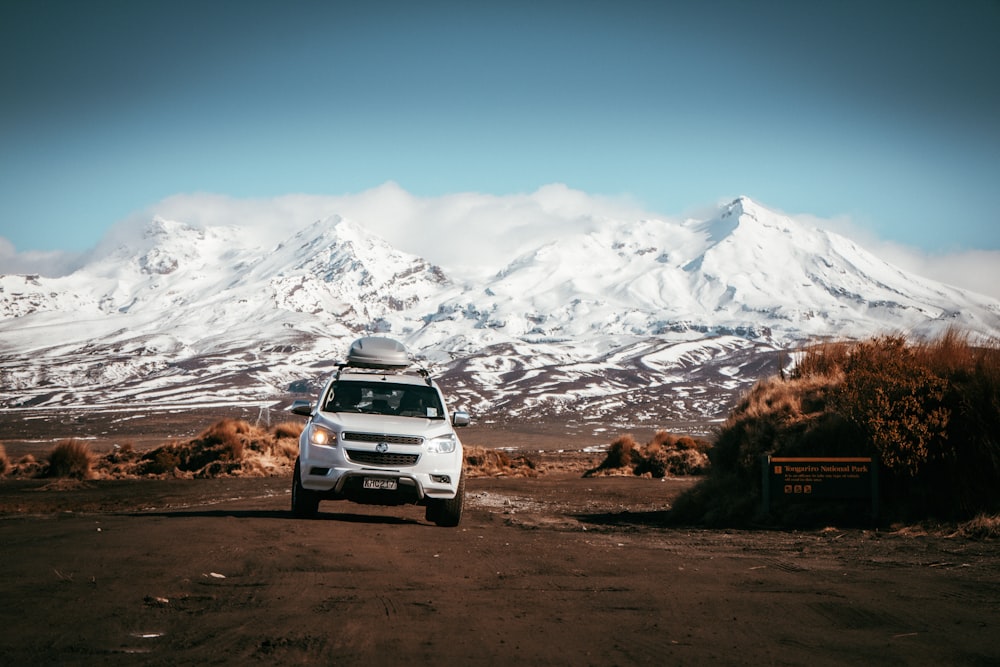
x,y
470,230
975,270
48,263
464,232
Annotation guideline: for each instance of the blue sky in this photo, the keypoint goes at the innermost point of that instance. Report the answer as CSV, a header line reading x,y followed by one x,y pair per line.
x,y
885,114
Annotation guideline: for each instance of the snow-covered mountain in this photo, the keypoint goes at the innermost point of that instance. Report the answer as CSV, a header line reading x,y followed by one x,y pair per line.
x,y
632,321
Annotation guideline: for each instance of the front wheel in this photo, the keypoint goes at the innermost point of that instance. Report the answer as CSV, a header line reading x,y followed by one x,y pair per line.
x,y
448,513
305,503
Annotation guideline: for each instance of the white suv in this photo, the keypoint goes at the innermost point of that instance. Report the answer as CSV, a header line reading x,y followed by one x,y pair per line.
x,y
380,435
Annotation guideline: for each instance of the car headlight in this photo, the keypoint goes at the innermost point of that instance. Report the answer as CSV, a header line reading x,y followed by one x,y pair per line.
x,y
443,444
322,436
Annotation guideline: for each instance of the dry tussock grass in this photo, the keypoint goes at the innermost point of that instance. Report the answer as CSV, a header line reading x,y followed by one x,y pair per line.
x,y
71,458
228,448
982,527
286,430
826,358
27,466
482,462
665,455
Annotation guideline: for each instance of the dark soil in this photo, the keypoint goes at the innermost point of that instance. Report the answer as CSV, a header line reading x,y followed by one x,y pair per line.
x,y
555,569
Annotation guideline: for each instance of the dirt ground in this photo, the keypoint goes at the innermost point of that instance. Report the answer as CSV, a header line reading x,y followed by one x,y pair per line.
x,y
556,569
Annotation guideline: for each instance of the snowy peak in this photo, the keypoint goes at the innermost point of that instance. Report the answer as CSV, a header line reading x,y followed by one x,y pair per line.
x,y
615,316
337,250
744,206
746,219
161,230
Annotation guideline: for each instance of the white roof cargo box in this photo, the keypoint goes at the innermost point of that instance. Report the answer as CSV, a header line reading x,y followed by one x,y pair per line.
x,y
380,353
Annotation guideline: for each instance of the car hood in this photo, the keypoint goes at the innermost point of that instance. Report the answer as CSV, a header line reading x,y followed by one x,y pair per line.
x,y
415,426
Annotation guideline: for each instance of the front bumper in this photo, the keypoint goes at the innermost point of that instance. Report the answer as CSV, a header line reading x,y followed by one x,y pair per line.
x,y
339,472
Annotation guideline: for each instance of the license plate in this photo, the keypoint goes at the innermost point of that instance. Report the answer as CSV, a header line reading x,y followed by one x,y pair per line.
x,y
379,483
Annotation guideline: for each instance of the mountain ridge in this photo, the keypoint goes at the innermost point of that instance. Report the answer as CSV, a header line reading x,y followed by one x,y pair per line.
x,y
613,321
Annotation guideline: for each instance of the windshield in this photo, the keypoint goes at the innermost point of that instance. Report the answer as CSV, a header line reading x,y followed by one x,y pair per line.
x,y
384,398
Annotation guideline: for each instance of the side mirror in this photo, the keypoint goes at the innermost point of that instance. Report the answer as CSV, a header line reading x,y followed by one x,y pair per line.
x,y
460,418
303,408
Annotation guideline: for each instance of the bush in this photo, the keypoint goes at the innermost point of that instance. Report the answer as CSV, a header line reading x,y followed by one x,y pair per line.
x,y
288,430
982,527
227,448
122,454
929,413
482,462
897,401
665,454
161,461
620,452
225,440
27,466
70,458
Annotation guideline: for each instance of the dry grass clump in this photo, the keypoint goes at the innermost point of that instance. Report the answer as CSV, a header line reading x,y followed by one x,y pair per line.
x,y
120,461
26,467
4,461
928,412
70,458
229,447
666,455
288,430
982,527
822,359
483,462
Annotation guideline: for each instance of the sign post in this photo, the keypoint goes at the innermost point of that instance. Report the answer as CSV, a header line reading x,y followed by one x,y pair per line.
x,y
819,478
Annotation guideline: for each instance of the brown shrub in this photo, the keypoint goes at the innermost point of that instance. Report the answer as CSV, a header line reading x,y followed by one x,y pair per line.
x,y
483,462
288,430
27,466
892,394
70,458
823,359
227,448
619,459
928,412
950,354
4,461
225,439
982,527
620,452
286,448
665,454
122,454
160,461
662,462
663,439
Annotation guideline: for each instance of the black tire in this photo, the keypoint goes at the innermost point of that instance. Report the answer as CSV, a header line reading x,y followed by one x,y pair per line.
x,y
431,512
305,503
448,513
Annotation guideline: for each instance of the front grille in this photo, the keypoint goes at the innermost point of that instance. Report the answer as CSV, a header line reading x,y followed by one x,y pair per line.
x,y
382,437
378,459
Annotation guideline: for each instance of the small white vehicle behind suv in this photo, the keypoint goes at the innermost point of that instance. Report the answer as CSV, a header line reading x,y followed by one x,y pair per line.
x,y
380,434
